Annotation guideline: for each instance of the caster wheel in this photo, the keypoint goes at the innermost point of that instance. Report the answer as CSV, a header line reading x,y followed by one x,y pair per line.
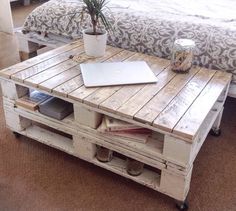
x,y
17,135
183,206
215,132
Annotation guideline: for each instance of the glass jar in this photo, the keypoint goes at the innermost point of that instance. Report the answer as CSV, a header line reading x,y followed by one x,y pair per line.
x,y
103,154
134,167
182,55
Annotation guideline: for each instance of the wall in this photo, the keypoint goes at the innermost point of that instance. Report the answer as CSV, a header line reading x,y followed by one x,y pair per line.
x,y
6,23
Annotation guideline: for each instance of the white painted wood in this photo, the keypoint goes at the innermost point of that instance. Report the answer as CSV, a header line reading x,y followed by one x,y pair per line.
x,y
84,149
217,122
177,150
151,149
67,125
174,156
175,185
148,178
183,153
52,41
49,138
86,116
232,90
6,23
123,150
12,90
27,46
203,132
14,121
190,123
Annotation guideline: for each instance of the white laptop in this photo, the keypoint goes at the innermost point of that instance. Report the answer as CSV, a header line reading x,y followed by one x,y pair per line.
x,y
116,73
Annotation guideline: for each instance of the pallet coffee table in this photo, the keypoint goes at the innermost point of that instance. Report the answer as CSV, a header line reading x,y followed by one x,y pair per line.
x,y
180,109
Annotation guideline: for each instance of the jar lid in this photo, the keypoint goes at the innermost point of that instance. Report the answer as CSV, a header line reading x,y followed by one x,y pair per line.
x,y
185,42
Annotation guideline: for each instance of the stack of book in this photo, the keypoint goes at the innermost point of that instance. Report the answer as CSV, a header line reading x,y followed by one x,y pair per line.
x,y
32,100
125,130
45,104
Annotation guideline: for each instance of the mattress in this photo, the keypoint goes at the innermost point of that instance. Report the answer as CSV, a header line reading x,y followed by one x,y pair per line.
x,y
152,26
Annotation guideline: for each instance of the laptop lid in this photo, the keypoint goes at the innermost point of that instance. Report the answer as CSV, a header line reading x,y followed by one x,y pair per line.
x,y
116,73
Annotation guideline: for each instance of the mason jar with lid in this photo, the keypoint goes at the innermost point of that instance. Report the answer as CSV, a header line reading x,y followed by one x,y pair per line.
x,y
182,55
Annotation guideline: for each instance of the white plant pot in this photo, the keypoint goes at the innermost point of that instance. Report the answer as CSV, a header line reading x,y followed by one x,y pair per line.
x,y
95,45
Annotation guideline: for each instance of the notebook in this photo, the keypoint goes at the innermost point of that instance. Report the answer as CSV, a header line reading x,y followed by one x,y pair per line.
x,y
116,73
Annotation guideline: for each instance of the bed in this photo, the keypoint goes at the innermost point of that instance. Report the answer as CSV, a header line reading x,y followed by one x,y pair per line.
x,y
150,27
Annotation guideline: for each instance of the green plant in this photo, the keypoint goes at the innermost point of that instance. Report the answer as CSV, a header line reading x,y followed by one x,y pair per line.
x,y
95,9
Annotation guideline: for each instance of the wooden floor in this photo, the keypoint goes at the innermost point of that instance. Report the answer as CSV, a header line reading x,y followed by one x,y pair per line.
x,y
36,177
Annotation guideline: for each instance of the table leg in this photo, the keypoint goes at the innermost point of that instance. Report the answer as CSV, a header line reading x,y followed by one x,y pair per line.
x,y
215,131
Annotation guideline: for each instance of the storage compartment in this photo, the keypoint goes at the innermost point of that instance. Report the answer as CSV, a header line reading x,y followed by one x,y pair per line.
x,y
49,136
32,100
147,142
118,165
47,105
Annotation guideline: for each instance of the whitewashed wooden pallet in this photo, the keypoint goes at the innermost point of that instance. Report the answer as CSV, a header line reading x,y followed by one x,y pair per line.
x,y
180,108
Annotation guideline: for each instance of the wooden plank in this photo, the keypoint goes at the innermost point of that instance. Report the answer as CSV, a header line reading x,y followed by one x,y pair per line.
x,y
50,73
84,149
116,100
68,86
59,79
148,178
99,95
137,101
29,72
87,117
174,185
12,90
49,138
190,123
38,59
151,161
169,117
149,112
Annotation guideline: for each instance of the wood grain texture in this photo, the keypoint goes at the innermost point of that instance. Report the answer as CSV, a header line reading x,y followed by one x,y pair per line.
x,y
29,72
50,73
65,88
7,72
169,117
137,101
152,109
59,79
190,123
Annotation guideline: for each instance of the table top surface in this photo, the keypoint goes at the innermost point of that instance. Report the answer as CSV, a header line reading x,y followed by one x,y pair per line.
x,y
177,103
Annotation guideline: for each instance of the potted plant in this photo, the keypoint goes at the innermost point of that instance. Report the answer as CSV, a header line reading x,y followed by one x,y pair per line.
x,y
95,38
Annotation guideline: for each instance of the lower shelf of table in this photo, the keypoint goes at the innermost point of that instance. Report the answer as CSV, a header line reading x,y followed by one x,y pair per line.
x,y
156,179
117,165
